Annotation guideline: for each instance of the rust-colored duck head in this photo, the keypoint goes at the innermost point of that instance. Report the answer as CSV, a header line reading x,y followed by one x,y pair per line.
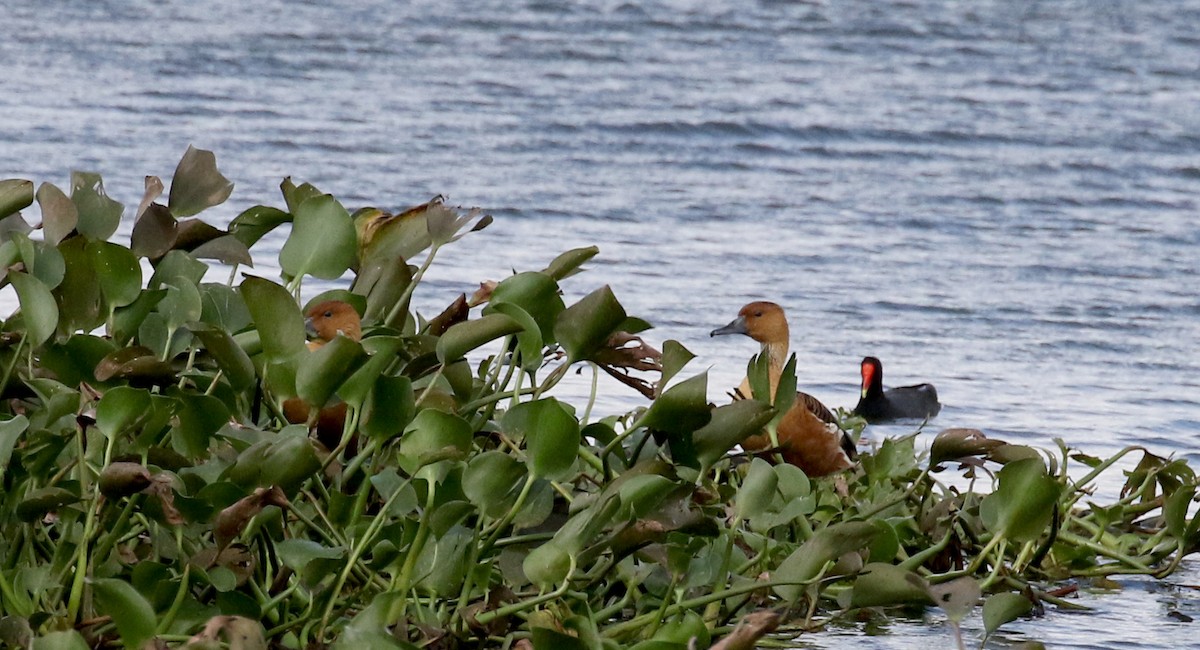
x,y
327,319
762,321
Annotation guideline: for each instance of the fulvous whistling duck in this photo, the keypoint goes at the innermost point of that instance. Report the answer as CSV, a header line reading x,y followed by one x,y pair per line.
x,y
325,321
879,405
809,436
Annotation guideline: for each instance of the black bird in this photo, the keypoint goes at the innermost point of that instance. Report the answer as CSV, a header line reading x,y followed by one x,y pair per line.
x,y
878,405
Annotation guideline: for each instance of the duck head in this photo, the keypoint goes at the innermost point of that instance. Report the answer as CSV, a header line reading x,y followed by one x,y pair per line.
x,y
762,321
327,319
872,376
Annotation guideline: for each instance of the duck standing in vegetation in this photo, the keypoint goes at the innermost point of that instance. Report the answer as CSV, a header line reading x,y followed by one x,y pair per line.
x,y
809,436
878,405
324,322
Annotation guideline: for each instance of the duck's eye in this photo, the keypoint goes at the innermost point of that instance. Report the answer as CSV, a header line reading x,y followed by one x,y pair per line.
x,y
328,314
758,314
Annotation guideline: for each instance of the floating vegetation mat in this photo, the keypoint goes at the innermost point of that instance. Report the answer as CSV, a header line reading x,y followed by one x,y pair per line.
x,y
196,464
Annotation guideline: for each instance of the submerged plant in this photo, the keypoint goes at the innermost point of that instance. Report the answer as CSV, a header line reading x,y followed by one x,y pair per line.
x,y
181,466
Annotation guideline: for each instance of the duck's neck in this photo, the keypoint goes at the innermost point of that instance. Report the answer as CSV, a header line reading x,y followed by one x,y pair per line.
x,y
777,352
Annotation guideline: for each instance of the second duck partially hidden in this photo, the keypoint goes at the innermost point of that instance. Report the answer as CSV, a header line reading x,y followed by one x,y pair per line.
x,y
878,405
809,435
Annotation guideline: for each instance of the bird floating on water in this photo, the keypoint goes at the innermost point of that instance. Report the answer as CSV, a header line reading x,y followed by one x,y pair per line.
x,y
875,404
809,436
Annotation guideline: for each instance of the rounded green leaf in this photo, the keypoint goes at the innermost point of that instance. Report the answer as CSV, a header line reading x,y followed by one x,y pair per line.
x,y
547,565
278,320
882,585
322,242
490,480
62,640
433,432
464,337
253,223
323,371
1003,608
297,553
132,614
38,308
388,408
535,293
230,357
120,408
1023,503
16,194
682,409
828,544
99,215
584,326
551,436
568,263
529,339
729,426
196,184
59,214
757,492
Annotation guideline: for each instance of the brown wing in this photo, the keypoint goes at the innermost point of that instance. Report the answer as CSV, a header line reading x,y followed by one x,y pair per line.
x,y
815,407
818,409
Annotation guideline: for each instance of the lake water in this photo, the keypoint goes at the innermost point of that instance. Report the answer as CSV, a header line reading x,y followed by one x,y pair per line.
x,y
997,197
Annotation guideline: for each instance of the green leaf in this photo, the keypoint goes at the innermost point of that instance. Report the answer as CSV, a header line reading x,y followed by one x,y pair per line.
x,y
551,436
529,339
16,194
196,184
585,326
544,638
120,408
1023,503
78,295
59,214
297,553
294,194
828,544
322,242
225,249
38,309
1175,511
99,215
322,372
674,358
253,223
537,294
883,585
230,357
1003,608
133,616
433,432
10,431
62,640
729,426
757,491
491,480
464,337
370,628
118,272
682,409
276,316
547,565
568,263
389,407
200,417
382,351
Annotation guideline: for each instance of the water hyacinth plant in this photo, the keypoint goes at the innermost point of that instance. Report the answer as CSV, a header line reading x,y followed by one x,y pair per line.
x,y
182,467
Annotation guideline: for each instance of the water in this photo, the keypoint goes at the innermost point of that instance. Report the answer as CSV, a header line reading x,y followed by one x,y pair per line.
x,y
997,197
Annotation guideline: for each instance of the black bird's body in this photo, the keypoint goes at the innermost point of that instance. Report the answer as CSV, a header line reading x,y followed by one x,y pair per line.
x,y
875,404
